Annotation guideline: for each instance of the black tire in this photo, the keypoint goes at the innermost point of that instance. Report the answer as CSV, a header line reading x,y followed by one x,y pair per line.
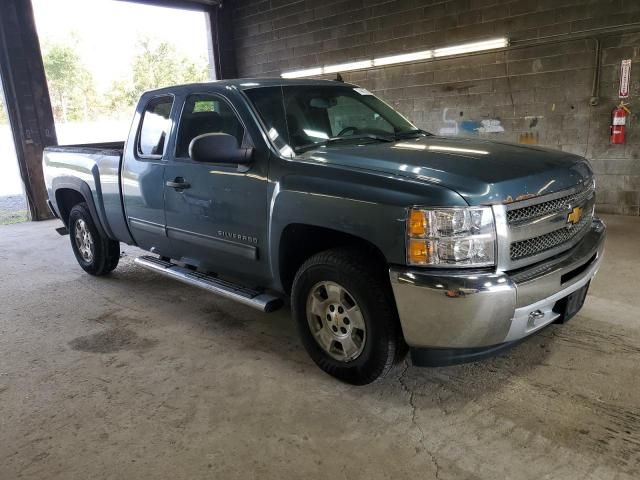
x,y
368,286
105,253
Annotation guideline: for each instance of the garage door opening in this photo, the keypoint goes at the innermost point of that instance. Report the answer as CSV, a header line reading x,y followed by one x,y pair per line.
x,y
100,55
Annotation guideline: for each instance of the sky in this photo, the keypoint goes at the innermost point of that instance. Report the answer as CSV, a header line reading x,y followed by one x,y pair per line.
x,y
108,31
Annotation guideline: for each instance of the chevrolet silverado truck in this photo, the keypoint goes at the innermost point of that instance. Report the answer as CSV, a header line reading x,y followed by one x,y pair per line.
x,y
384,238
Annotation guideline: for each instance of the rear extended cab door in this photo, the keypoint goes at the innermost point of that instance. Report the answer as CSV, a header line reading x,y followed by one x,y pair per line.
x,y
218,222
143,171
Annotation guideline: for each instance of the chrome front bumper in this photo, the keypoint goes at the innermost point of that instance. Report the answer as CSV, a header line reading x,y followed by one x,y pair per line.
x,y
473,310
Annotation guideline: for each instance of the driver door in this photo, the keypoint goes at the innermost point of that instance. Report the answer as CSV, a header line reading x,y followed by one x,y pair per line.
x,y
216,213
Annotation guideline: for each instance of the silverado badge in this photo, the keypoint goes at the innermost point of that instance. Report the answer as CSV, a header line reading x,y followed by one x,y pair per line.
x,y
574,216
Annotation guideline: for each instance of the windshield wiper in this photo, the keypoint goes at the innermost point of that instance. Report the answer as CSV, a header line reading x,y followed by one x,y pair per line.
x,y
372,136
412,133
332,140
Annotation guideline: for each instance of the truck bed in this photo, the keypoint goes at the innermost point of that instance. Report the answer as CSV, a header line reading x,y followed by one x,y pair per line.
x,y
94,168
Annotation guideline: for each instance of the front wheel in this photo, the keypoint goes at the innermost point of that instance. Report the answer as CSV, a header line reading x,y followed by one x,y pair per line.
x,y
346,316
97,255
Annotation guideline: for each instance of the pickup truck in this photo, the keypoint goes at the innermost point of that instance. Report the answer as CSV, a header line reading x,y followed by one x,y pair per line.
x,y
383,239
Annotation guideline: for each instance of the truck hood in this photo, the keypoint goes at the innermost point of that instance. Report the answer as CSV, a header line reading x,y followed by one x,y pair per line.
x,y
481,171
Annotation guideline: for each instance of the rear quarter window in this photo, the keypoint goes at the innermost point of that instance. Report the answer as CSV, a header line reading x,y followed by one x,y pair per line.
x,y
154,127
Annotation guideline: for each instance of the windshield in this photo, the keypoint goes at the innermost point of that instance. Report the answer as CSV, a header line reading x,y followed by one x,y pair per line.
x,y
301,118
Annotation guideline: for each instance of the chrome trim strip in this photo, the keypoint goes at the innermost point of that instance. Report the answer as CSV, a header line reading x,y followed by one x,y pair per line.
x,y
503,238
539,226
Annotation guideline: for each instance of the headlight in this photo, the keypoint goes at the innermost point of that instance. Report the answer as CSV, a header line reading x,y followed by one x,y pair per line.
x,y
450,237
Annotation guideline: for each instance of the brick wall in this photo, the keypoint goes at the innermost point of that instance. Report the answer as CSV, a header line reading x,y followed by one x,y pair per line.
x,y
536,94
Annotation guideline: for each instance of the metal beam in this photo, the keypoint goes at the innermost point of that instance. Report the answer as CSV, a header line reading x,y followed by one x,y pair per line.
x,y
221,31
27,99
201,5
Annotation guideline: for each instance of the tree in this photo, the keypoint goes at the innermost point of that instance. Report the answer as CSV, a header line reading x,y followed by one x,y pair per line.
x,y
154,66
120,98
71,86
160,65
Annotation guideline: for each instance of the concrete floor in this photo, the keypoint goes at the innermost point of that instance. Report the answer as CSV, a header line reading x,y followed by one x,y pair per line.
x,y
136,376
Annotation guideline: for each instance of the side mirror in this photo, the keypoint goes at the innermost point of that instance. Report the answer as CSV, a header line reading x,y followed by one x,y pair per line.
x,y
218,148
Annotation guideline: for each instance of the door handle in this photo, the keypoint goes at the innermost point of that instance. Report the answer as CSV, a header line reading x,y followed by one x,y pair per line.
x,y
178,183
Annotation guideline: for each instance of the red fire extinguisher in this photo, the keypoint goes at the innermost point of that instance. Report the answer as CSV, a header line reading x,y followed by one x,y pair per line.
x,y
618,123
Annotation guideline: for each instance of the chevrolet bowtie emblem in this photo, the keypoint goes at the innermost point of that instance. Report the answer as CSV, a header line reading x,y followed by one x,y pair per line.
x,y
574,216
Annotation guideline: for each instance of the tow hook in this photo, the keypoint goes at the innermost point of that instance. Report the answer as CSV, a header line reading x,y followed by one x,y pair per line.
x,y
534,317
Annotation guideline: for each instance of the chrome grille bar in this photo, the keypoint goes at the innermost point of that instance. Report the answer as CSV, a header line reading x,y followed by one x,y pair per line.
x,y
551,206
535,245
535,229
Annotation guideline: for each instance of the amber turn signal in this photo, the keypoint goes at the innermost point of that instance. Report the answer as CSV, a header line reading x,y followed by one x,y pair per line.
x,y
419,251
417,223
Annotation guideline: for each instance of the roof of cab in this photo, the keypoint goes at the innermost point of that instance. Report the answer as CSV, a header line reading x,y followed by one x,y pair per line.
x,y
247,83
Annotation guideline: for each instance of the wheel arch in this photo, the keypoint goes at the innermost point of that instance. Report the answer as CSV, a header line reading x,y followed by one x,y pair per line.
x,y
300,241
68,192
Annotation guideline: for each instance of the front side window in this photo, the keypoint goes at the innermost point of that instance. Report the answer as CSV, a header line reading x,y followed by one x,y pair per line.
x,y
206,114
155,126
313,116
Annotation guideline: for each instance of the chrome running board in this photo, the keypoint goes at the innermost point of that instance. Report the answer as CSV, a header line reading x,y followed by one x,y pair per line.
x,y
256,299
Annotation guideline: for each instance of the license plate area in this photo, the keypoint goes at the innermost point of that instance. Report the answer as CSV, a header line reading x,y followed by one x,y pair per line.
x,y
568,306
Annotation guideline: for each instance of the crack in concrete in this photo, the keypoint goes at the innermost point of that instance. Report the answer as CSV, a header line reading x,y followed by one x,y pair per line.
x,y
411,393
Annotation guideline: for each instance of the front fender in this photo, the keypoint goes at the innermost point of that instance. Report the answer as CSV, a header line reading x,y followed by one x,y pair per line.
x,y
364,205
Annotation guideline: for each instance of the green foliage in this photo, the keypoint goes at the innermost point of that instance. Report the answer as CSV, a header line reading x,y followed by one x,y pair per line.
x,y
120,98
71,85
204,106
155,65
160,65
10,217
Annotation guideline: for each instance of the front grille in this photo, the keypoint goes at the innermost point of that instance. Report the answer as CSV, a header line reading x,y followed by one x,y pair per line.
x,y
536,245
552,206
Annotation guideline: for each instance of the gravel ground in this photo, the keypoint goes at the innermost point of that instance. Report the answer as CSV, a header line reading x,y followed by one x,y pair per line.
x,y
13,209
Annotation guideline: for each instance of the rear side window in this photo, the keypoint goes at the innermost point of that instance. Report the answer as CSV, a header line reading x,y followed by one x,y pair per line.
x,y
206,114
155,126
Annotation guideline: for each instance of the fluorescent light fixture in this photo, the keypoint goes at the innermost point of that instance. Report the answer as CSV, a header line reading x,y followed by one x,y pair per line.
x,y
344,67
472,47
404,57
307,72
491,44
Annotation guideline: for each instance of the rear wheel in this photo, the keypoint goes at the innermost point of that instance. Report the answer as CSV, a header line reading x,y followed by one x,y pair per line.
x,y
346,316
96,254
